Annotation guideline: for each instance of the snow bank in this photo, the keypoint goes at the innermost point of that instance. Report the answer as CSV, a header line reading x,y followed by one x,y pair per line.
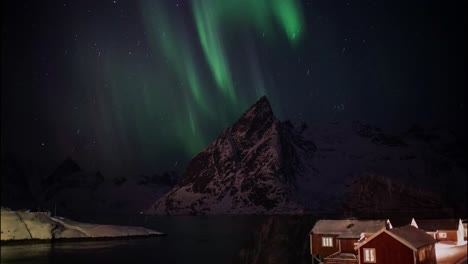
x,y
449,253
16,225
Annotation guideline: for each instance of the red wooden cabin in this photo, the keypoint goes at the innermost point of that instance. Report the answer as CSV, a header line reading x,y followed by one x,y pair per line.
x,y
404,245
334,240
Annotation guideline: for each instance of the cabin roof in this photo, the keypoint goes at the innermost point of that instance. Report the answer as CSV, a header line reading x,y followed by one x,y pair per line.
x,y
438,224
410,236
414,236
347,228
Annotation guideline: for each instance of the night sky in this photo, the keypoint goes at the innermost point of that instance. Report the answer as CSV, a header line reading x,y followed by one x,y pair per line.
x,y
130,87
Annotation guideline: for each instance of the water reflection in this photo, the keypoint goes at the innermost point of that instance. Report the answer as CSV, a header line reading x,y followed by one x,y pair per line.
x,y
191,239
25,253
45,252
279,239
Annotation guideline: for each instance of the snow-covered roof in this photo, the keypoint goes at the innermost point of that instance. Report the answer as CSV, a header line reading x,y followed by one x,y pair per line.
x,y
348,228
438,224
410,236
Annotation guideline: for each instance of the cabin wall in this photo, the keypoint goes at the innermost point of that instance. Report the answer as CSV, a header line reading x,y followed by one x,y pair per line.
x,y
317,248
387,250
451,235
347,245
426,255
311,243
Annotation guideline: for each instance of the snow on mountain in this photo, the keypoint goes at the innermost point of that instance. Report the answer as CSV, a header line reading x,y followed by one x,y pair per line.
x,y
353,156
262,165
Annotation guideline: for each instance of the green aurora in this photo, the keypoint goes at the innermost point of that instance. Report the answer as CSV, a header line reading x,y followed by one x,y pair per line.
x,y
192,65
138,87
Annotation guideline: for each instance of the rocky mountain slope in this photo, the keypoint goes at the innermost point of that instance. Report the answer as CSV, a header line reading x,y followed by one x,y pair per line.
x,y
248,169
263,165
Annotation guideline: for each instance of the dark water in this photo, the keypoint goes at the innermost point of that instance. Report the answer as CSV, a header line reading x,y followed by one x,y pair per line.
x,y
191,239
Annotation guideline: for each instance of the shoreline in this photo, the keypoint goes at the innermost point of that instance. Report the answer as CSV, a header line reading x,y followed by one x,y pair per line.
x,y
12,242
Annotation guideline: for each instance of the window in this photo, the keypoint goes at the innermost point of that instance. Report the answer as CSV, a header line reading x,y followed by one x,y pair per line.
x,y
465,231
369,255
327,241
443,235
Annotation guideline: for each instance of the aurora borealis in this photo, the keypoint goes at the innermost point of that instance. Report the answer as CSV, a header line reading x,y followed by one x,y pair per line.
x,y
131,87
202,71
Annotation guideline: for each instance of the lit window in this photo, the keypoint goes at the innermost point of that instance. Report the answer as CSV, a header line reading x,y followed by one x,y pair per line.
x,y
327,241
369,255
443,235
465,232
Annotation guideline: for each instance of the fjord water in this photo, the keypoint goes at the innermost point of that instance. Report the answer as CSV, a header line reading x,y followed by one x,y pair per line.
x,y
191,239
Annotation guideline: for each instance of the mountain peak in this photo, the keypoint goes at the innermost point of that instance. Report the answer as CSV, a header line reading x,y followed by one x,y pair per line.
x,y
69,165
66,168
261,107
264,102
246,169
258,118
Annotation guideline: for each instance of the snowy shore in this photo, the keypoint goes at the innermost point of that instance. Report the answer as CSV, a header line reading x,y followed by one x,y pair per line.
x,y
36,226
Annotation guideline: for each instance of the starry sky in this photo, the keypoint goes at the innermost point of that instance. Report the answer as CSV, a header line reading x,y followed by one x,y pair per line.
x,y
131,87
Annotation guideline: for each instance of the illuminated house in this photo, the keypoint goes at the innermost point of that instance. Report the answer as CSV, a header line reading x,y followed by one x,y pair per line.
x,y
443,229
333,241
406,244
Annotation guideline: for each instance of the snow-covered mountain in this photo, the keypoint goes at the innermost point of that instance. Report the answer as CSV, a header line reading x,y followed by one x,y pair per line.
x,y
71,191
263,165
419,169
74,192
248,169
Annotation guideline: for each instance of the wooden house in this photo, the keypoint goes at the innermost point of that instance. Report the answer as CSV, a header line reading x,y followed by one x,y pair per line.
x,y
404,245
443,229
332,240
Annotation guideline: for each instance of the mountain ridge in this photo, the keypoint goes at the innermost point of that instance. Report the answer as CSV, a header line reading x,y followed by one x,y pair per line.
x,y
261,165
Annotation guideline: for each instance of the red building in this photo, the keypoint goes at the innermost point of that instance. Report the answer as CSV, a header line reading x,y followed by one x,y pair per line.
x,y
333,241
443,229
404,245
